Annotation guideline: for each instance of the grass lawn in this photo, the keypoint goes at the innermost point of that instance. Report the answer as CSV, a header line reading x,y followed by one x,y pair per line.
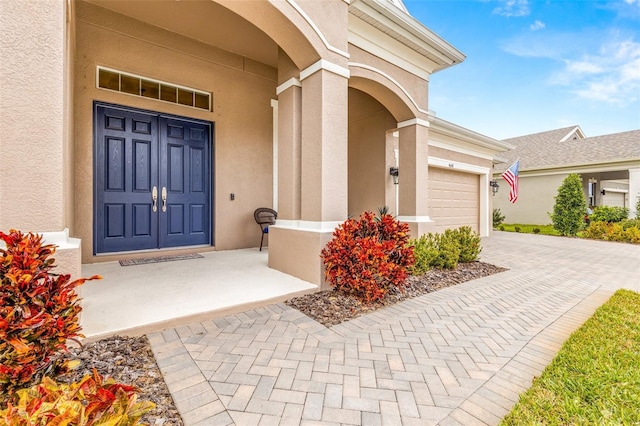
x,y
595,377
528,229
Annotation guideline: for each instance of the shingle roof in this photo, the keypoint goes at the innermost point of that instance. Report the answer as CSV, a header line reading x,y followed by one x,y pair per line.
x,y
550,149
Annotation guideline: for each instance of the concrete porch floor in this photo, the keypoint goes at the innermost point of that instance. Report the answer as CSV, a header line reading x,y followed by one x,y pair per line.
x,y
138,299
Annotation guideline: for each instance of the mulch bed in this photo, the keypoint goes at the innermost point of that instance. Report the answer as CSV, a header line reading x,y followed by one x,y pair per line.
x,y
130,360
331,307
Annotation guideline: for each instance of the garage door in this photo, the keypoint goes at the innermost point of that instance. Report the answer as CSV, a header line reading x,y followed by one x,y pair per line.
x,y
613,199
454,199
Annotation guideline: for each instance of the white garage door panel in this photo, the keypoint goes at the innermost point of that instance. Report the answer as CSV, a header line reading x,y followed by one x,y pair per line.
x,y
454,199
613,199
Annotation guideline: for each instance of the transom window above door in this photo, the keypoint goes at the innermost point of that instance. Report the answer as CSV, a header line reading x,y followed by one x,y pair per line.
x,y
119,81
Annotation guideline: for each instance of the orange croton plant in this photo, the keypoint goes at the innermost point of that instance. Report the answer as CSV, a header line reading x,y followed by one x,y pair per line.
x,y
38,312
368,255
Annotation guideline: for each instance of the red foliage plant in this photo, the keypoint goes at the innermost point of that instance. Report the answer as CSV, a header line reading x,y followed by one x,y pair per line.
x,y
368,255
91,402
38,311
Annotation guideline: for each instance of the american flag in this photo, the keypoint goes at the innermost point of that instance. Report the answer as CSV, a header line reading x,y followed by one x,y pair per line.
x,y
511,177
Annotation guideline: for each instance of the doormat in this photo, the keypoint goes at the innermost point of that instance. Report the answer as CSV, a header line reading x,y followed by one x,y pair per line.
x,y
159,259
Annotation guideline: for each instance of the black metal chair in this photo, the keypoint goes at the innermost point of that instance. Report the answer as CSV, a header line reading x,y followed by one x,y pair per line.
x,y
264,217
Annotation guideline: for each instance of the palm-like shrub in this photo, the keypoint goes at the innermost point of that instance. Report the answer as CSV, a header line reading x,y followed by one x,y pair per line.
x,y
498,218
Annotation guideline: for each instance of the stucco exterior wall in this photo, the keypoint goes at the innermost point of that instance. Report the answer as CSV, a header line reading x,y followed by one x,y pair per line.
x,y
69,126
32,117
242,115
459,157
535,199
403,83
369,122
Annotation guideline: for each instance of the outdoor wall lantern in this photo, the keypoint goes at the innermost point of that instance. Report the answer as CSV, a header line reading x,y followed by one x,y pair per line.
x,y
393,171
494,186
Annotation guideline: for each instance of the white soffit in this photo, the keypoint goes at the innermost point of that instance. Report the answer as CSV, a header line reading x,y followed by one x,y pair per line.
x,y
398,26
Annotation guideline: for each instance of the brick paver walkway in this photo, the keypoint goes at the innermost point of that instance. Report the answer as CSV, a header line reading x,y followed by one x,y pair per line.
x,y
459,356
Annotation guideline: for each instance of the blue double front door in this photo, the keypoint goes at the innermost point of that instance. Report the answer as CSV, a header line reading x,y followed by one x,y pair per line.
x,y
152,184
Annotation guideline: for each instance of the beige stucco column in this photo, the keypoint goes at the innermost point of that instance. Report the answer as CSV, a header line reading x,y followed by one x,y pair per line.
x,y
289,140
414,176
34,149
295,243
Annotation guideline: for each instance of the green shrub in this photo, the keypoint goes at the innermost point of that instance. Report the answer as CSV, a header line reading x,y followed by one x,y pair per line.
x,y
630,223
609,214
38,312
612,232
445,250
368,255
469,243
425,251
449,250
502,227
92,401
517,229
569,208
616,233
498,217
632,235
596,231
536,230
637,207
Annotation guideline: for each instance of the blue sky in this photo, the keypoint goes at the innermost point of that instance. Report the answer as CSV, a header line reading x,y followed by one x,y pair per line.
x,y
536,65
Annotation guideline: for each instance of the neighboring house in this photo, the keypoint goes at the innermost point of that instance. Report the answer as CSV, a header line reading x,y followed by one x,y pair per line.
x,y
159,126
609,166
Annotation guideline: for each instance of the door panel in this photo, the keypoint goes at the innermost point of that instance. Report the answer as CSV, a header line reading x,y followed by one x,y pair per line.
x,y
184,149
135,152
126,168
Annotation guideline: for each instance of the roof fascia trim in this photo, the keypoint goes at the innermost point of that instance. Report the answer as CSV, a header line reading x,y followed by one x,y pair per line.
x,y
449,129
407,26
610,166
462,148
389,49
576,130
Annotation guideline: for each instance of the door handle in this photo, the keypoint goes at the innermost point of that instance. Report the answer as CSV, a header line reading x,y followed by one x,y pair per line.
x,y
154,197
164,199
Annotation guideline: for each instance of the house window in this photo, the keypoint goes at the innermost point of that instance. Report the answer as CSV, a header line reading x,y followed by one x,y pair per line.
x,y
592,193
132,84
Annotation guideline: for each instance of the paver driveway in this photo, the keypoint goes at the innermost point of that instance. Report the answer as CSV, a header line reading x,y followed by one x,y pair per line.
x,y
457,356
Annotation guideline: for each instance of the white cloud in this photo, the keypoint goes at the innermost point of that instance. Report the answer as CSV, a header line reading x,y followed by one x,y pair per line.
x,y
552,45
512,8
594,65
537,25
583,67
612,75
